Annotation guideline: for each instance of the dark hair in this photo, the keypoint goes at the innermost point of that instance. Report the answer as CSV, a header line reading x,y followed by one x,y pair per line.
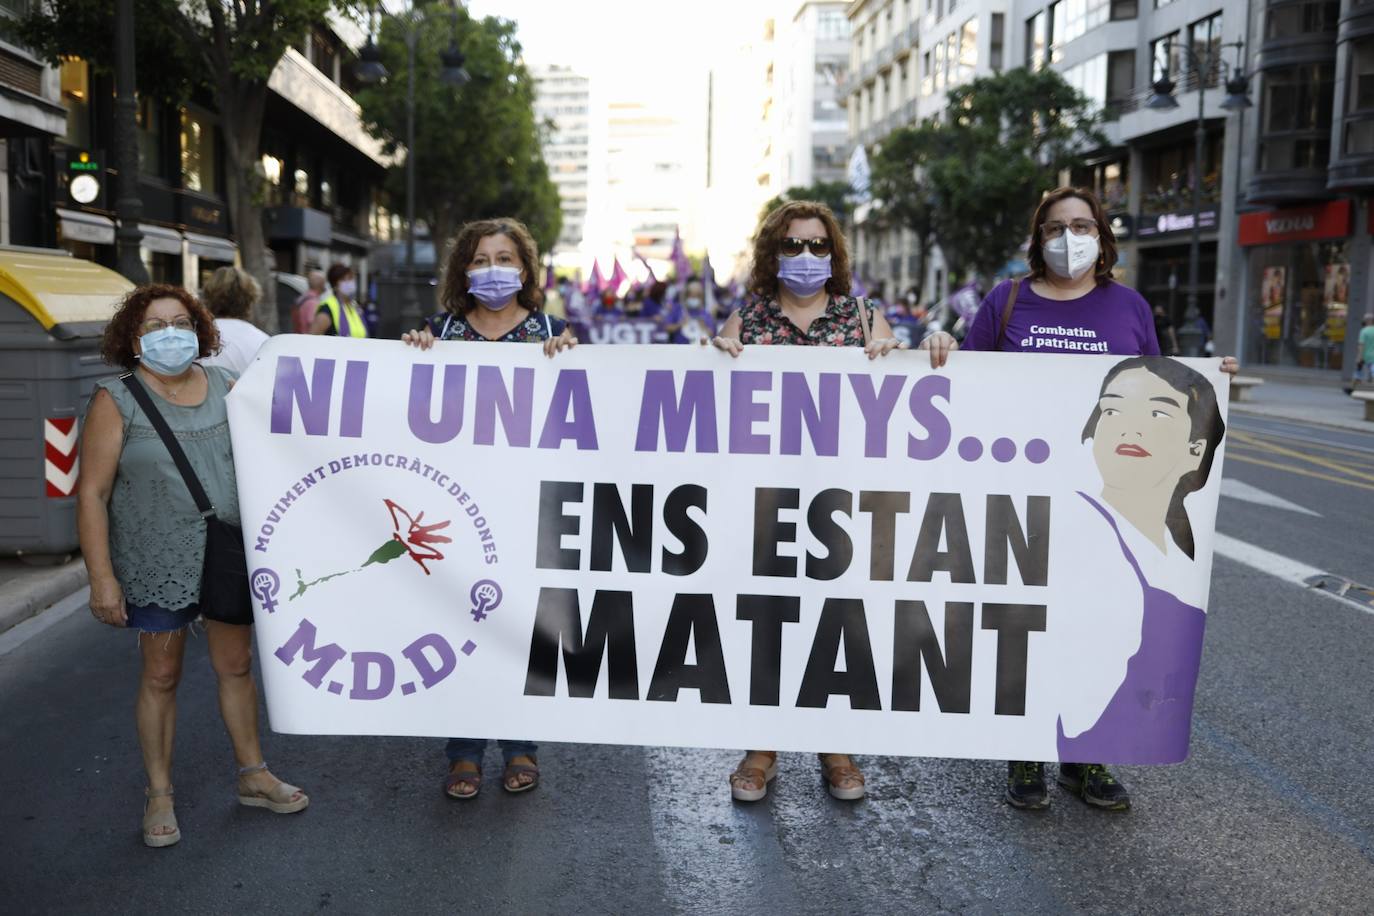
x,y
763,275
336,273
1206,423
658,290
1106,258
231,293
117,343
453,294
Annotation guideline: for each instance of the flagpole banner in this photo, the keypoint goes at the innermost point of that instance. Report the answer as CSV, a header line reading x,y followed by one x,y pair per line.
x,y
799,549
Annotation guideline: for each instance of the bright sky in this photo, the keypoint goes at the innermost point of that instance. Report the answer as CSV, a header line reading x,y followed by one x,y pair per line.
x,y
643,42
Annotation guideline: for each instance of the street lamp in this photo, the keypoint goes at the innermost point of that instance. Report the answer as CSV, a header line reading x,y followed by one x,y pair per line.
x,y
370,71
1191,335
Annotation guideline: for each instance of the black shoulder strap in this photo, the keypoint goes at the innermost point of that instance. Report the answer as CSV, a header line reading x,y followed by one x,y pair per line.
x,y
1006,312
164,432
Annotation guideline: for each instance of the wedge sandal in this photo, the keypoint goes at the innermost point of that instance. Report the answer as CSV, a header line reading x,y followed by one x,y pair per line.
x,y
746,775
839,778
280,799
153,821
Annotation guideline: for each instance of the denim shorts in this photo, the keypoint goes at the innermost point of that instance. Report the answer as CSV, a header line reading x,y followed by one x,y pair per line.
x,y
150,618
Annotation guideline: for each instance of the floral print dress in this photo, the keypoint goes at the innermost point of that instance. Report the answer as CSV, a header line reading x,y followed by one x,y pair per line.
x,y
536,328
763,322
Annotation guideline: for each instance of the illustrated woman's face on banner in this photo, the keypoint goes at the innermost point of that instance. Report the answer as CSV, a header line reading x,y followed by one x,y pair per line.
x,y
1141,440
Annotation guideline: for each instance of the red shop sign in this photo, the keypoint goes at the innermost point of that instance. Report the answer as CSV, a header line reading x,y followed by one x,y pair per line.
x,y
1294,224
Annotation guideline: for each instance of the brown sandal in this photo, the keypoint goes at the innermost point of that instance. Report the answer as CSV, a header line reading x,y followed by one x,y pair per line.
x,y
840,778
468,782
513,770
166,818
760,776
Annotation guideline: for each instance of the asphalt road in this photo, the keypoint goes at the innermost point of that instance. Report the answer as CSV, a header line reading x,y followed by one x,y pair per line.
x,y
1271,814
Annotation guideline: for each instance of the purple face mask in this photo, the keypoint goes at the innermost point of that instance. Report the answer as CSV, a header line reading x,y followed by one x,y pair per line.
x,y
494,287
805,274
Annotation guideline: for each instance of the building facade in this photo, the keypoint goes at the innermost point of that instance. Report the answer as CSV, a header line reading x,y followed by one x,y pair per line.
x,y
812,57
322,172
1301,271
563,106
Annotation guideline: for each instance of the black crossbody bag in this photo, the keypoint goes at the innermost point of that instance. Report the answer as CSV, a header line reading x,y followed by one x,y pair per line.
x,y
224,594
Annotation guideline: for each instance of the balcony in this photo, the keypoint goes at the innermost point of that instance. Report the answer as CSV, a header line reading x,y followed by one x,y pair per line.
x,y
901,48
885,55
869,71
913,34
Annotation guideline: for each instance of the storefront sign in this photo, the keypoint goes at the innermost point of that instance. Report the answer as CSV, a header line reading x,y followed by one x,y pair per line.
x,y
1153,225
799,548
1296,224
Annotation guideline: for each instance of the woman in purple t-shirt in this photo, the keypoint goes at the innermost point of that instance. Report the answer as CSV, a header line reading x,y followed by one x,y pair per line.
x,y
1069,303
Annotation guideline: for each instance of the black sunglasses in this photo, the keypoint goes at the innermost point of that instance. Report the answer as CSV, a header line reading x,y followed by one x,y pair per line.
x,y
791,247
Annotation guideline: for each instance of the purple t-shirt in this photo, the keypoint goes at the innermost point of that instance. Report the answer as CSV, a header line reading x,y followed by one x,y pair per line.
x,y
1111,318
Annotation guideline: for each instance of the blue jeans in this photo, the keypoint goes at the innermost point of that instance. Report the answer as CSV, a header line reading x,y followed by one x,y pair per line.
x,y
470,749
150,618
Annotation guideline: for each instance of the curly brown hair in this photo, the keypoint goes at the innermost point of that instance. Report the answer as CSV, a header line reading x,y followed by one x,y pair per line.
x,y
453,294
1106,239
231,293
763,275
117,344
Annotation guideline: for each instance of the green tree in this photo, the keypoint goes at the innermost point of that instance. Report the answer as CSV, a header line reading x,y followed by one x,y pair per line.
x,y
1002,143
900,186
229,47
478,146
834,194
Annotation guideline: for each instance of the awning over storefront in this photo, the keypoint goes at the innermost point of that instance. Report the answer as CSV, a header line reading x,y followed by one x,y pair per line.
x,y
69,297
80,226
160,239
1296,224
212,247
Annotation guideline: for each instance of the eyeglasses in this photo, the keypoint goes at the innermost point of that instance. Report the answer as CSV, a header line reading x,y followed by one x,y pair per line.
x,y
1054,228
181,323
791,247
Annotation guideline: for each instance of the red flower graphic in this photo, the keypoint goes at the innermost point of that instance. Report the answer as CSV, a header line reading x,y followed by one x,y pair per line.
x,y
418,538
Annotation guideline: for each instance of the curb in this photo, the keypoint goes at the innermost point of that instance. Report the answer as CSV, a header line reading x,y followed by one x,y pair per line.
x,y
1261,410
20,601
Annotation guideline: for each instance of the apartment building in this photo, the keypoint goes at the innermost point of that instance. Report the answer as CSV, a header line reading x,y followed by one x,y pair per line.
x,y
563,105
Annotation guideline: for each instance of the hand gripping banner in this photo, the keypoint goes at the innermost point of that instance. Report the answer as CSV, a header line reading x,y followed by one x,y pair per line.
x,y
801,549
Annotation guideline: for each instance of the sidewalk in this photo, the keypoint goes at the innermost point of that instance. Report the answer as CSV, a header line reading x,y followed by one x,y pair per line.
x,y
26,590
1304,403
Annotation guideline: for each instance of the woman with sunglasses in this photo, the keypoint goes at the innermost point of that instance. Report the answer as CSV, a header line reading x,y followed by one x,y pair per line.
x,y
1068,304
799,295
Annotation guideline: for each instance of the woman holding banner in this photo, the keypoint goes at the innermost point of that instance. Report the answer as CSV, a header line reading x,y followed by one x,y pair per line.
x,y
799,286
1069,303
491,293
143,538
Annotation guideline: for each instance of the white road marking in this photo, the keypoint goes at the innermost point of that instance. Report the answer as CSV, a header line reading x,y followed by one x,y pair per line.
x,y
1239,489
1276,565
21,633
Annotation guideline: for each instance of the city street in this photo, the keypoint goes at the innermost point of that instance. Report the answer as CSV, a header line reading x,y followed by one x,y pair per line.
x,y
1271,813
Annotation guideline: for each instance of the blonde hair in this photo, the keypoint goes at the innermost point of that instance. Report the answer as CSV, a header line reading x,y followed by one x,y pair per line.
x,y
231,293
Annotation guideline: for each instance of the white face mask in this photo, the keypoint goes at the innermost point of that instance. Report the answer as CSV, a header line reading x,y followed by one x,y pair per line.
x,y
1071,256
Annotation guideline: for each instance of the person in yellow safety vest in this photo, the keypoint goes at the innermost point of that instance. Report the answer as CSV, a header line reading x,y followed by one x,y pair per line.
x,y
338,314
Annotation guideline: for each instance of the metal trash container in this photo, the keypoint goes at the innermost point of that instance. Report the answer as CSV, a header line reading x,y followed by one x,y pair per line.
x,y
53,309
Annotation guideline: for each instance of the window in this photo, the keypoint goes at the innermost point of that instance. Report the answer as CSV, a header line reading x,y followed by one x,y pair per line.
x,y
927,78
300,187
1037,41
75,78
1296,117
939,66
1081,16
1090,78
1287,18
1204,37
1058,28
323,53
150,159
199,164
995,41
831,25
968,50
1166,57
1120,77
951,58
1124,9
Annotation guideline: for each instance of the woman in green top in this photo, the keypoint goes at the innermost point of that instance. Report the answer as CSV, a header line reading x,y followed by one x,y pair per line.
x,y
144,540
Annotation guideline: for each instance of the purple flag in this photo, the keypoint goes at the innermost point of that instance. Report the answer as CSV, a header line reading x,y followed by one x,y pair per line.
x,y
593,287
681,265
618,277
549,280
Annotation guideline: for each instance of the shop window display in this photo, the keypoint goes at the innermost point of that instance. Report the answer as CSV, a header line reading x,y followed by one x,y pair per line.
x,y
1300,304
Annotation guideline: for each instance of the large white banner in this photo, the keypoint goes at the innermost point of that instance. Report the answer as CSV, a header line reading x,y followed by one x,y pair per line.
x,y
798,549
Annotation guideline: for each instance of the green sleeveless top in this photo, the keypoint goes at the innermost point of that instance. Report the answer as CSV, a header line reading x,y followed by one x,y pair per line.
x,y
157,537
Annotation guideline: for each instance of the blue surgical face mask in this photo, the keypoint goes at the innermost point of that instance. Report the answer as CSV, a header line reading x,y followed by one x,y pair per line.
x,y
494,287
169,351
804,275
